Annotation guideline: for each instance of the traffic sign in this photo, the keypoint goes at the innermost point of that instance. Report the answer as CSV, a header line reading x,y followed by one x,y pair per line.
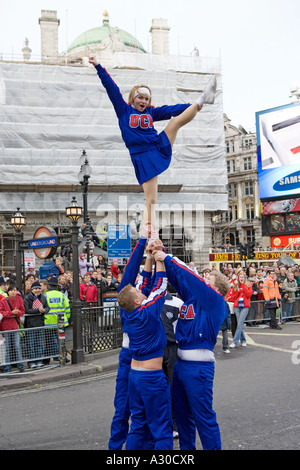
x,y
118,242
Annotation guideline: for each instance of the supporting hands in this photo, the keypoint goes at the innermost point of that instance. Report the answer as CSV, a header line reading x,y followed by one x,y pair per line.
x,y
154,246
159,255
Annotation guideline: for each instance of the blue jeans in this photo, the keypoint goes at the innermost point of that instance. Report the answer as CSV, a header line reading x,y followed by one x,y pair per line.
x,y
51,348
287,312
241,315
35,344
12,338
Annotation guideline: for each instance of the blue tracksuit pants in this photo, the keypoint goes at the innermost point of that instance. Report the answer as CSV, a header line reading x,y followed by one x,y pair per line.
x,y
120,422
193,399
151,409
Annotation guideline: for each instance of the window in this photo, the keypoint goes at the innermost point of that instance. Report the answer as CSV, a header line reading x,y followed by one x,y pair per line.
x,y
227,147
248,188
248,142
247,163
230,166
7,251
249,211
277,223
293,222
250,235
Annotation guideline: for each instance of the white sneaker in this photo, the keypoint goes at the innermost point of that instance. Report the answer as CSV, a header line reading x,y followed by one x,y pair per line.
x,y
210,90
244,344
232,345
226,351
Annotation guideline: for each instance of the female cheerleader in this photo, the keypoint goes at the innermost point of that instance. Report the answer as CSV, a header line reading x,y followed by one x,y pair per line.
x,y
150,152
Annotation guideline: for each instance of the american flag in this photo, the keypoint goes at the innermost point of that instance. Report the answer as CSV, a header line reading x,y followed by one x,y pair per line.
x,y
36,302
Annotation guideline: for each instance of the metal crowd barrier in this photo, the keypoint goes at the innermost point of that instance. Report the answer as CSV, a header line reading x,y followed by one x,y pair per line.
x,y
101,328
32,348
29,349
258,313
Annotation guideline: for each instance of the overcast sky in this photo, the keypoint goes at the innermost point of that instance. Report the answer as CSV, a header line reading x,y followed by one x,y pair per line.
x,y
258,41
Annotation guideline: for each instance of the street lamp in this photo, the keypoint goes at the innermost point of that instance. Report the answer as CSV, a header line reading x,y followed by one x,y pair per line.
x,y
74,212
83,177
18,221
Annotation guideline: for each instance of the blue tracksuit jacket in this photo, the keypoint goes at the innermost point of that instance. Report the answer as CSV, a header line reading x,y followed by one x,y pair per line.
x,y
131,271
203,310
144,325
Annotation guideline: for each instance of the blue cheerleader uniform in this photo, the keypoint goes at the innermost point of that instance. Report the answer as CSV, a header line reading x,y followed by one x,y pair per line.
x,y
149,390
120,422
199,322
150,152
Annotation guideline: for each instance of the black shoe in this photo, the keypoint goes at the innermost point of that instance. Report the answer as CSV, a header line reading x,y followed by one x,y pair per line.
x,y
276,327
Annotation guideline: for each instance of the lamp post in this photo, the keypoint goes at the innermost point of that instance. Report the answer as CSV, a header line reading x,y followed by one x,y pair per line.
x,y
18,221
74,212
83,177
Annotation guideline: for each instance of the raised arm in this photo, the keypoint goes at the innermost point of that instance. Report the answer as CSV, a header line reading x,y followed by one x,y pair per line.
x,y
111,87
156,299
187,284
133,265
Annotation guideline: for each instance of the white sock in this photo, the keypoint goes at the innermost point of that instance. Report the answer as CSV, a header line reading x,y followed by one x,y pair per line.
x,y
201,100
208,96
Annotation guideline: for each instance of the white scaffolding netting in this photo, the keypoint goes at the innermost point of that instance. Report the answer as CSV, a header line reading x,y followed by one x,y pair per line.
x,y
49,113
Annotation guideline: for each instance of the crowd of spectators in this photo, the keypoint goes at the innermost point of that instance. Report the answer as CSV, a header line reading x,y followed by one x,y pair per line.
x,y
95,279
286,277
95,276
248,301
267,296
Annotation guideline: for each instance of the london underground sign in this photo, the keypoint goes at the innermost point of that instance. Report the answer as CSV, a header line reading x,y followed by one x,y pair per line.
x,y
44,242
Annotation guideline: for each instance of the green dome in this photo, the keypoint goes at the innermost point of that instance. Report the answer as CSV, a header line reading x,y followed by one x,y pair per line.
x,y
97,35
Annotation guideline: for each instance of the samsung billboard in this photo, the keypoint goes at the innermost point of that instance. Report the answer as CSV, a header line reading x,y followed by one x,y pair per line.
x,y
278,151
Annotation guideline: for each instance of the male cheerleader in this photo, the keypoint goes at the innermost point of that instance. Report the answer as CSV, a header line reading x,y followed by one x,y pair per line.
x,y
200,318
120,422
149,388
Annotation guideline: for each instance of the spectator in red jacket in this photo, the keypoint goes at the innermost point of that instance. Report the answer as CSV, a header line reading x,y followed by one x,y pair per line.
x,y
11,309
88,290
115,268
241,294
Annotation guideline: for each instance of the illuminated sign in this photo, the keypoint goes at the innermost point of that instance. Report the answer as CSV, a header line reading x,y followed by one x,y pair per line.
x,y
259,256
278,151
285,240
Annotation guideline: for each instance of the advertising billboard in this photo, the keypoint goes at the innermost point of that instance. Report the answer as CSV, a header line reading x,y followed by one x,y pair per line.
x,y
285,205
284,241
278,151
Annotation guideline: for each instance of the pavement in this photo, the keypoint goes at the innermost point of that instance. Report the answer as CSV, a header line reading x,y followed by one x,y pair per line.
x,y
106,361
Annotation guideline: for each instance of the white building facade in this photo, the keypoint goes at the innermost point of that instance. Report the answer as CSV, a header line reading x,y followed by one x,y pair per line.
x,y
50,112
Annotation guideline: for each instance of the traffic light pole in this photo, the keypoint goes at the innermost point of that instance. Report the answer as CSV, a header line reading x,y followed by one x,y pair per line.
x,y
247,251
